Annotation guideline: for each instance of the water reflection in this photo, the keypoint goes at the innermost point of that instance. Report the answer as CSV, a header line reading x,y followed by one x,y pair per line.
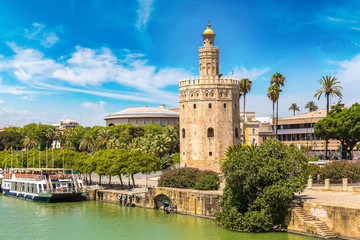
x,y
98,220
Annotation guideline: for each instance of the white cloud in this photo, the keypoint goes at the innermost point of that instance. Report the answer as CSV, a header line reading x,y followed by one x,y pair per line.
x,y
348,73
1,101
144,11
87,69
10,116
252,74
98,113
46,38
28,98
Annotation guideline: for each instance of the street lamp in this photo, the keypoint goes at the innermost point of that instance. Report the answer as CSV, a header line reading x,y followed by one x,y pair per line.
x,y
311,132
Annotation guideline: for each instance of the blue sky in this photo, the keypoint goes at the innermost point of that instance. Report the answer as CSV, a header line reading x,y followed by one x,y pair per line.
x,y
86,59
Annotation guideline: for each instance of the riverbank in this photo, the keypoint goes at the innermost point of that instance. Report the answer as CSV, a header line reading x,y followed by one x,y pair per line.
x,y
317,213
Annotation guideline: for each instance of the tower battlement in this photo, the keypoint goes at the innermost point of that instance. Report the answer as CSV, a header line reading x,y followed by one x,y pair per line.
x,y
209,80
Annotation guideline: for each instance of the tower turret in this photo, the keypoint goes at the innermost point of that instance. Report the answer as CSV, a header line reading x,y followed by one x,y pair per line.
x,y
208,55
209,111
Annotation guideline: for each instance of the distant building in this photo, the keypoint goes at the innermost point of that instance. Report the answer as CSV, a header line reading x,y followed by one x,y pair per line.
x,y
299,130
66,123
257,129
144,115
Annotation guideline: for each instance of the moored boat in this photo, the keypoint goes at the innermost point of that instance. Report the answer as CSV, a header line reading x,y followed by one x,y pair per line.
x,y
43,185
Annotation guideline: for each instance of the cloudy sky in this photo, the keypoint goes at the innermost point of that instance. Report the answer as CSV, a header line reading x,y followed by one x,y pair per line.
x,y
86,59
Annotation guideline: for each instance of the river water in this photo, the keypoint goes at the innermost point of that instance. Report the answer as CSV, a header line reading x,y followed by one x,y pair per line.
x,y
21,219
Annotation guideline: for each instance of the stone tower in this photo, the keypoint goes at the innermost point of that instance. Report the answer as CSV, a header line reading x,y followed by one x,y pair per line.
x,y
209,111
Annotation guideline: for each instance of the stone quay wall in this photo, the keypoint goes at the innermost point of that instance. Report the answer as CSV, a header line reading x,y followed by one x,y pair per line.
x,y
311,219
191,202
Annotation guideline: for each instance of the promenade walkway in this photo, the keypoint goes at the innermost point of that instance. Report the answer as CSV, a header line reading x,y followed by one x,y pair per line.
x,y
332,198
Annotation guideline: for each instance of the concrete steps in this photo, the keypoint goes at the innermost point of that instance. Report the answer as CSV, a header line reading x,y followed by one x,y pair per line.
x,y
321,228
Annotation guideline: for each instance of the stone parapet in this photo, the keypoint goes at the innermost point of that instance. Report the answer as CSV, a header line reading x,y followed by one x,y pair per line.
x,y
209,80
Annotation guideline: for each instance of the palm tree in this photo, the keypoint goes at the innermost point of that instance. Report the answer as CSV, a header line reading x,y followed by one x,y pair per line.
x,y
311,106
244,88
104,137
328,87
273,95
87,143
294,107
278,80
50,135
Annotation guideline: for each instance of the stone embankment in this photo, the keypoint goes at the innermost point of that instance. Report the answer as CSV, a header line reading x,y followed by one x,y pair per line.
x,y
324,214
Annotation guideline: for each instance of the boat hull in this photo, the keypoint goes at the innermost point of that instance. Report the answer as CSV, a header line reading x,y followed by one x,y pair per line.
x,y
48,198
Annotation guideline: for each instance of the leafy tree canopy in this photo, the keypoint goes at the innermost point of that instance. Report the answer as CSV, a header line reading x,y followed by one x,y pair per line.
x,y
260,184
343,125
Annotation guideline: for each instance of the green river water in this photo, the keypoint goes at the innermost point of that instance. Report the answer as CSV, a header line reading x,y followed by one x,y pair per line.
x,y
21,219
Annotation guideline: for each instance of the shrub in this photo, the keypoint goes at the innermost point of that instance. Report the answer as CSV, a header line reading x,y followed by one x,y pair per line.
x,y
189,178
341,169
208,180
260,185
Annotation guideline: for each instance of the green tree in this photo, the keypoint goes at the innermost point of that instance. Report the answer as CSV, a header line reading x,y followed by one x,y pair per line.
x,y
87,143
260,185
244,88
139,162
273,95
10,139
104,137
279,80
311,106
343,125
329,88
294,107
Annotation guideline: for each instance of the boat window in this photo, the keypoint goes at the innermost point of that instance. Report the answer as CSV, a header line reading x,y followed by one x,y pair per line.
x,y
40,187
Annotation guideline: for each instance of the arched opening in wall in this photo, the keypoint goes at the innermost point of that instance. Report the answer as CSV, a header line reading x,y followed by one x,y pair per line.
x,y
194,106
212,94
111,124
210,106
197,94
210,132
183,133
206,94
236,133
183,106
224,105
235,105
192,95
253,141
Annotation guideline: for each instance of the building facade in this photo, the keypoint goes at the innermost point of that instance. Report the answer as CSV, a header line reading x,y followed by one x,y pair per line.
x,y
66,123
209,111
144,115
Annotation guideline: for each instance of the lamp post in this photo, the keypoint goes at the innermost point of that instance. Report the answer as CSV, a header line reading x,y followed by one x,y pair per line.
x,y
307,135
312,131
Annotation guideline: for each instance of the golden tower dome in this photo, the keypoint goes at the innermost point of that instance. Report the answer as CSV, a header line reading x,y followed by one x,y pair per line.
x,y
208,30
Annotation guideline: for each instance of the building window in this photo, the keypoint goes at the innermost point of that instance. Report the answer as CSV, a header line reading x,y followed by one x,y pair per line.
x,y
253,130
210,106
111,124
183,133
183,106
236,133
224,105
253,141
210,153
235,105
194,106
210,132
206,94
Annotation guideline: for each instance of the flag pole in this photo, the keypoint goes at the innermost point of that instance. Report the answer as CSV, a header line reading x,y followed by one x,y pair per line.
x,y
39,157
63,161
46,156
52,149
11,156
27,156
22,157
5,160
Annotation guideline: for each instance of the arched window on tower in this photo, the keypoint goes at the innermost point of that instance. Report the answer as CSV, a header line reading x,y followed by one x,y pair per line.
x,y
183,133
111,124
236,133
224,105
210,132
194,106
210,106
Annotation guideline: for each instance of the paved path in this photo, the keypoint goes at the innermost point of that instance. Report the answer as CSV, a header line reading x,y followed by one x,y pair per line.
x,y
332,198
